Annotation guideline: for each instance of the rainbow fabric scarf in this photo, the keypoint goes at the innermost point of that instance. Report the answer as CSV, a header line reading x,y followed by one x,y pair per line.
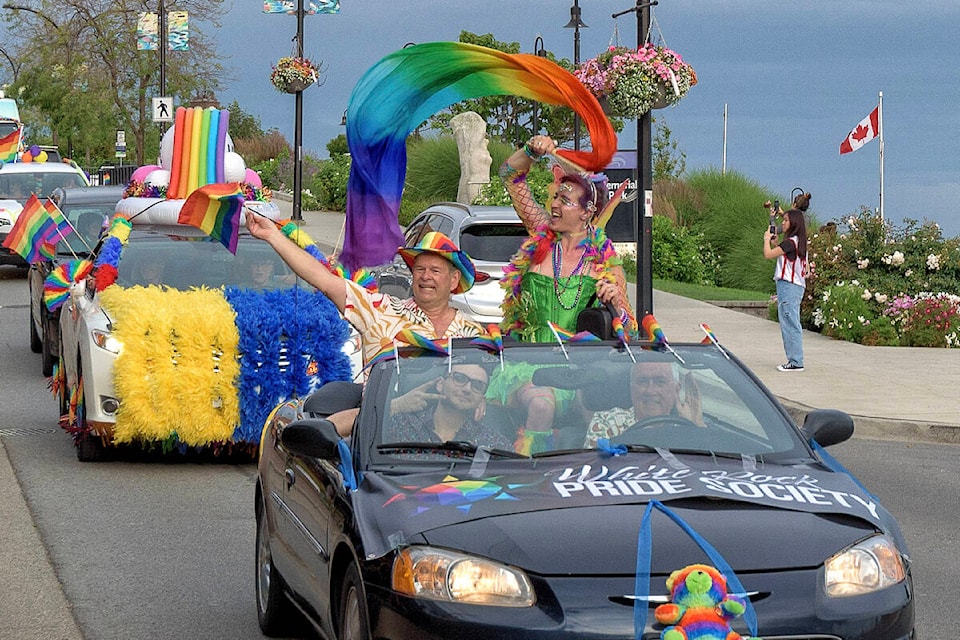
x,y
408,86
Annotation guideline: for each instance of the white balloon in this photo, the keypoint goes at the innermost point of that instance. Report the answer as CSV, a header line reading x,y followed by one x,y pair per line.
x,y
234,168
158,178
166,150
228,143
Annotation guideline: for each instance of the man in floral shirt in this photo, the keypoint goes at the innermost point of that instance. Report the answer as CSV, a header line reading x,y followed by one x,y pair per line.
x,y
654,391
450,408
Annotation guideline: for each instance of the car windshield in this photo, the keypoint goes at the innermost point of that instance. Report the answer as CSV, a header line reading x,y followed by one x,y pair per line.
x,y
492,242
19,185
692,400
181,262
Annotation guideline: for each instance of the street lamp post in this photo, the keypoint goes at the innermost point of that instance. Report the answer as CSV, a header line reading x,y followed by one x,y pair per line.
x,y
539,51
298,127
576,24
643,226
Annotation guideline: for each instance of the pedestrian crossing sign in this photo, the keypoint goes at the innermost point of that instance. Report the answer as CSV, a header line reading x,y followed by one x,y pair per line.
x,y
163,109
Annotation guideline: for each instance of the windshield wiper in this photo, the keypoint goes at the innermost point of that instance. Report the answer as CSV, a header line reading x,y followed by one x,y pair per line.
x,y
450,445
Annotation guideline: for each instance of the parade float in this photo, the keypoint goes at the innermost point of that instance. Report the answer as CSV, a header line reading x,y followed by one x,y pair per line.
x,y
196,361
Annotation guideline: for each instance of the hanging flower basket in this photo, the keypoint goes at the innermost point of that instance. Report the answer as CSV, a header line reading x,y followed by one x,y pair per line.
x,y
293,74
630,82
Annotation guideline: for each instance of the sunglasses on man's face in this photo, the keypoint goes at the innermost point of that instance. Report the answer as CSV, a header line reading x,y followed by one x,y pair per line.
x,y
476,385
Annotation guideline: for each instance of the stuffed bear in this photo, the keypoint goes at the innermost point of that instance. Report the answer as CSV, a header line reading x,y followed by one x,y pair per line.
x,y
700,607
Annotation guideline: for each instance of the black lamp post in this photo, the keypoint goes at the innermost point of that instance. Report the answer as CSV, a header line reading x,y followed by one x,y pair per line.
x,y
644,224
298,128
539,51
576,24
343,119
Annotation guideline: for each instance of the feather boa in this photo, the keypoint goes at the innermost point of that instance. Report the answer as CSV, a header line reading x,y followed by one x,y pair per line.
x,y
598,250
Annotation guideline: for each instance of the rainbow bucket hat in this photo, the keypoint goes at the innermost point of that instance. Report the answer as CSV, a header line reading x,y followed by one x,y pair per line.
x,y
438,243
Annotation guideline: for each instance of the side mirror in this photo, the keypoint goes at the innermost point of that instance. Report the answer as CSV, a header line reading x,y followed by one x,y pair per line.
x,y
827,427
311,438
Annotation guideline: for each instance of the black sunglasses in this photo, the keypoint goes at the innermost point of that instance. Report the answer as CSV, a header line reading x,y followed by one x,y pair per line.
x,y
476,385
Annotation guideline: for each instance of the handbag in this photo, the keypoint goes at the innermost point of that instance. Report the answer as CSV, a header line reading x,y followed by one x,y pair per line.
x,y
597,320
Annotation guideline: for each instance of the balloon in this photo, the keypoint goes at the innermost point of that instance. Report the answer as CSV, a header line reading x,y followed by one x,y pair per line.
x,y
166,150
158,177
252,177
26,157
34,150
42,156
234,168
140,173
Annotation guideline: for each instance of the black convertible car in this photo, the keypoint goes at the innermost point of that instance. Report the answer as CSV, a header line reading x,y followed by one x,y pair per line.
x,y
428,522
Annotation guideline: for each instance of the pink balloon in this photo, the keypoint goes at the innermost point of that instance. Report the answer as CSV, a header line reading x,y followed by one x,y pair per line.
x,y
253,178
140,173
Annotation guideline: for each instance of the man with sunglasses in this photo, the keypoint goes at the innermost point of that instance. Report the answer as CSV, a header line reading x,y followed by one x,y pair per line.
x,y
445,409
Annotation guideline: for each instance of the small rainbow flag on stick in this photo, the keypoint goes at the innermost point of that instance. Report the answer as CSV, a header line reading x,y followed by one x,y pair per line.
x,y
711,338
215,208
652,327
28,233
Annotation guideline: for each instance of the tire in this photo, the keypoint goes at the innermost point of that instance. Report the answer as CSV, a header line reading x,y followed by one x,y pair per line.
x,y
63,396
35,343
353,623
274,611
50,335
90,447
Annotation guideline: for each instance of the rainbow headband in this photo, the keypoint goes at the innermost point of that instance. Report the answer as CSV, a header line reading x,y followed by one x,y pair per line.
x,y
408,86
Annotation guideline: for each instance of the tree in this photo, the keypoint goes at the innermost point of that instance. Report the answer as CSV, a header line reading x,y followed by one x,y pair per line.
x,y
243,126
668,160
100,81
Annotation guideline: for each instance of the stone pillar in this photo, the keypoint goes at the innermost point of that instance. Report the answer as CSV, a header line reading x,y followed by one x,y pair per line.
x,y
470,132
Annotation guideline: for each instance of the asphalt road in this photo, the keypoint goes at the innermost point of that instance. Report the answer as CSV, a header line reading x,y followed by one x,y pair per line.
x,y
165,550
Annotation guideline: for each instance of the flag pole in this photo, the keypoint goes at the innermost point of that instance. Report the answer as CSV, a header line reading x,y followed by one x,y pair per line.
x,y
880,127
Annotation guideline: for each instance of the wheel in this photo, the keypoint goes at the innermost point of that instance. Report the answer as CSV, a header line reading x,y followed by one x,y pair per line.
x,y
353,607
274,611
63,396
90,449
50,337
35,343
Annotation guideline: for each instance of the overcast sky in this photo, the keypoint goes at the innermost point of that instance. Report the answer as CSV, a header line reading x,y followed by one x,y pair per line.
x,y
796,77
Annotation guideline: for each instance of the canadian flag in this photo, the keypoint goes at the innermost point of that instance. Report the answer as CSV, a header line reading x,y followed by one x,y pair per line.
x,y
864,132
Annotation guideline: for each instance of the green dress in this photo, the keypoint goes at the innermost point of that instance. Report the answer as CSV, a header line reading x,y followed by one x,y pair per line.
x,y
539,297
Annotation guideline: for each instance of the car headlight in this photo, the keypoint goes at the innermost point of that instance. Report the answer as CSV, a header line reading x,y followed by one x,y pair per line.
x,y
438,574
870,565
105,340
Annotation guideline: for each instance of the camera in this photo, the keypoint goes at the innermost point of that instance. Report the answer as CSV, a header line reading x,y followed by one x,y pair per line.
x,y
774,229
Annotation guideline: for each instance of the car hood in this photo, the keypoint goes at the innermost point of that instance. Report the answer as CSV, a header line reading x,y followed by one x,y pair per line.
x,y
510,508
603,540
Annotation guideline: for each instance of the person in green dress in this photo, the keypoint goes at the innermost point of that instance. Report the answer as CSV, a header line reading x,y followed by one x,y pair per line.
x,y
565,265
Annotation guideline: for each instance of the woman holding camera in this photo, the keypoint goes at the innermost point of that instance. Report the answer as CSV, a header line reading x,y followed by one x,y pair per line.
x,y
790,276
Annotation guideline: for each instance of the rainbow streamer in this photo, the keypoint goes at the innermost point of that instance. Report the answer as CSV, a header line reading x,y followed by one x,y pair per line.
x,y
56,286
652,327
27,237
408,86
215,208
9,144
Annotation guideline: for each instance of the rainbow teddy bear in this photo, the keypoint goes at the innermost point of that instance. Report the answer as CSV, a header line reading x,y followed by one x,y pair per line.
x,y
700,608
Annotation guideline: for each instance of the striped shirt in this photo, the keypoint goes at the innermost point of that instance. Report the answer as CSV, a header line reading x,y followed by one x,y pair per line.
x,y
791,266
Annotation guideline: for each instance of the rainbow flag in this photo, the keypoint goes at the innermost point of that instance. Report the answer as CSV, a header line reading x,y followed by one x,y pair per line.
x,y
215,208
652,327
9,145
491,341
61,226
710,336
418,340
27,236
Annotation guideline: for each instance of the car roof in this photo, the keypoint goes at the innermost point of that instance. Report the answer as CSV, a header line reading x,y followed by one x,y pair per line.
x,y
88,195
38,167
473,212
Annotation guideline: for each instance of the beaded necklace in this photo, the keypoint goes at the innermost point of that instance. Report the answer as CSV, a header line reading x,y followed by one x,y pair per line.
x,y
557,285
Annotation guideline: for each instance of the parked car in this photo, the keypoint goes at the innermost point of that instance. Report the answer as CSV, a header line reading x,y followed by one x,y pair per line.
x,y
190,348
489,235
17,181
381,536
87,209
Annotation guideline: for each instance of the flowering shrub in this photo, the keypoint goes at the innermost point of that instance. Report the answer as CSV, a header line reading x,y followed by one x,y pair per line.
x,y
682,255
293,69
891,267
632,80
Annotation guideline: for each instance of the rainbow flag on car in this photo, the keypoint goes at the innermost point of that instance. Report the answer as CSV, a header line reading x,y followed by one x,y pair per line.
x,y
215,209
9,144
28,236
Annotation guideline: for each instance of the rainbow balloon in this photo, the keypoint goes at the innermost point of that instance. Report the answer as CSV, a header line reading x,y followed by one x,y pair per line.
x,y
408,86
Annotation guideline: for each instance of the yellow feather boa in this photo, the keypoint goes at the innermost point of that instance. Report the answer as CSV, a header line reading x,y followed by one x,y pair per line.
x,y
177,369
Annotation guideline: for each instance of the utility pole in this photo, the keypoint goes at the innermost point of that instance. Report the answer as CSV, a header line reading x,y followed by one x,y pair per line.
x,y
644,224
298,128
